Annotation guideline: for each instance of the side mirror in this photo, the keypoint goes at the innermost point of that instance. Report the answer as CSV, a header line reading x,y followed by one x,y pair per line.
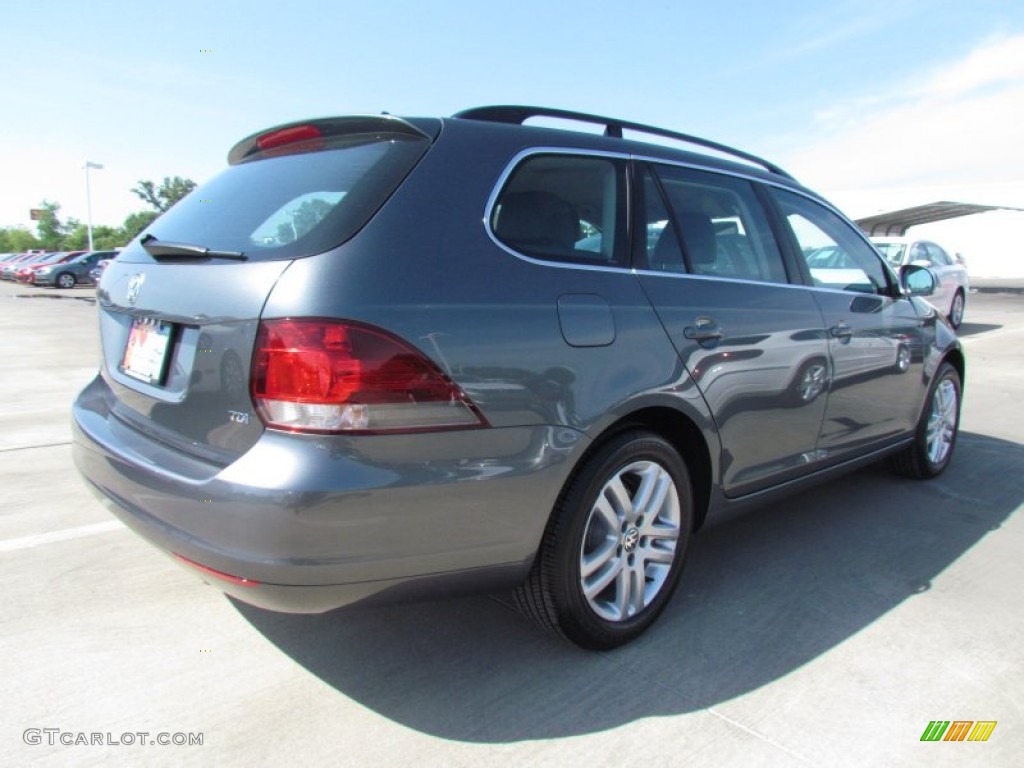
x,y
917,280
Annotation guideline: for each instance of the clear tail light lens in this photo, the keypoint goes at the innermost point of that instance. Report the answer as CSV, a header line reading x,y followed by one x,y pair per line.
x,y
318,375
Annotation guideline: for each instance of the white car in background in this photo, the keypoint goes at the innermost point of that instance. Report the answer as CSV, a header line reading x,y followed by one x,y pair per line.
x,y
950,295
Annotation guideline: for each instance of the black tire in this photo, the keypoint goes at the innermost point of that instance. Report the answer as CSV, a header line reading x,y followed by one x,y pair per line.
x,y
65,280
937,428
634,465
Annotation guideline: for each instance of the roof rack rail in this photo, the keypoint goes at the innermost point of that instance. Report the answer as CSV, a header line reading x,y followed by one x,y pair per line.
x,y
612,127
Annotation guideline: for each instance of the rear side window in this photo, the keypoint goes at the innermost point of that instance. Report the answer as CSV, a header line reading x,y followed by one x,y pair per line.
x,y
284,205
937,256
708,224
836,256
564,208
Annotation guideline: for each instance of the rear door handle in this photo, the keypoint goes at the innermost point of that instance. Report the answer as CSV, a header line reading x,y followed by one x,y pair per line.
x,y
841,331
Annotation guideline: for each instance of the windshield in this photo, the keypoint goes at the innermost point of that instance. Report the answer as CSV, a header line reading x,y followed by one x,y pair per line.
x,y
291,205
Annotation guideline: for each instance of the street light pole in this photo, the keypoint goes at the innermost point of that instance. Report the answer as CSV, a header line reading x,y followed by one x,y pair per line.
x,y
88,197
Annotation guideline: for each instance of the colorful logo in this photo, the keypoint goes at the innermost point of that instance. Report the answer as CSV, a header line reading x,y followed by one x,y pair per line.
x,y
959,730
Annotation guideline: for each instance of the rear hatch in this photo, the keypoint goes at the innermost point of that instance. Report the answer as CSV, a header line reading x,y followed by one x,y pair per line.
x,y
180,306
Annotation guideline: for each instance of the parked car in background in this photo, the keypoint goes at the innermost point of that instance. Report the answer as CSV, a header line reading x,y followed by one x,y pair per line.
x,y
950,296
26,273
9,269
11,258
97,271
72,272
420,356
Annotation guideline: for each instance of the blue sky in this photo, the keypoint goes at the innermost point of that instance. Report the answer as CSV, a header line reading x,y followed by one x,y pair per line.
x,y
872,103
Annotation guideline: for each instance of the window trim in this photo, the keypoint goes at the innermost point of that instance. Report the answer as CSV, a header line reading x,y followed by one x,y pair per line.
x,y
795,272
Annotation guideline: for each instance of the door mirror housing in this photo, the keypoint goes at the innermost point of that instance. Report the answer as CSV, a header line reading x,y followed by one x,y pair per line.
x,y
917,280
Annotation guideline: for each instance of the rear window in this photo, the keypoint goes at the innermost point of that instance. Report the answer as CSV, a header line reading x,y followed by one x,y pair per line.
x,y
294,204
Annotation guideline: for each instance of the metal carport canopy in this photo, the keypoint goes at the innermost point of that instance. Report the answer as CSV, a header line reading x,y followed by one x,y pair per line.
x,y
898,222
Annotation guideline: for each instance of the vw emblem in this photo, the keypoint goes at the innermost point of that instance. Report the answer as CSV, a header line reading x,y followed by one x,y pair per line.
x,y
631,539
134,286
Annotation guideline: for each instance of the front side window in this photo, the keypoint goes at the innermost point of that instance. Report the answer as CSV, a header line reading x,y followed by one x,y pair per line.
x,y
708,224
836,256
564,208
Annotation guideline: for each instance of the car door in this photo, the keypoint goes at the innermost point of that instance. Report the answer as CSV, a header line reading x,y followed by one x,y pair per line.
x,y
875,334
753,343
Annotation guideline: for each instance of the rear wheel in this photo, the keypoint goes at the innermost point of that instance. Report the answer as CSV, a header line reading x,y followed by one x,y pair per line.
x,y
615,545
935,437
809,382
65,280
956,310
902,358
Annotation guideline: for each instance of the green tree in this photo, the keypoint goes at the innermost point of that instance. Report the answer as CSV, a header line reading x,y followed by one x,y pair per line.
x,y
136,222
104,238
302,219
162,197
51,230
17,240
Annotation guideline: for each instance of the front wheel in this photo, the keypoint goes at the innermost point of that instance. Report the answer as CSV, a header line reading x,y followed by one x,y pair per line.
x,y
65,280
614,548
935,437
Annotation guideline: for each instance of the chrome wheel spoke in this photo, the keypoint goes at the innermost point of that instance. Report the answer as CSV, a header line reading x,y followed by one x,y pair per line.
x,y
629,596
660,532
596,560
649,487
653,504
659,555
593,589
607,515
617,495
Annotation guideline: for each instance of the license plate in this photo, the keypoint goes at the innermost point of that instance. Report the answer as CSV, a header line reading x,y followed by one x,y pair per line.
x,y
145,356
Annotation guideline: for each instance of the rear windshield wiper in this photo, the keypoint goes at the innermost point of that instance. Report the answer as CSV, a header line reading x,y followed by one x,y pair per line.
x,y
156,247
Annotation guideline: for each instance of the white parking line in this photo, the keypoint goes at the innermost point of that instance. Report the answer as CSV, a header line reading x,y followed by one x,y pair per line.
x,y
27,542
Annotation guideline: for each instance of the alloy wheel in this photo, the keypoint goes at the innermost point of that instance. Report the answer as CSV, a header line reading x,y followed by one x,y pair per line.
x,y
630,540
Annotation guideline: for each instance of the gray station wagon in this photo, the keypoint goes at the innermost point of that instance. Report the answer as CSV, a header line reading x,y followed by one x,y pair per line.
x,y
382,358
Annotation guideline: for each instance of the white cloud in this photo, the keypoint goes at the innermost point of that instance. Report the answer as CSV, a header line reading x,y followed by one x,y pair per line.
x,y
953,129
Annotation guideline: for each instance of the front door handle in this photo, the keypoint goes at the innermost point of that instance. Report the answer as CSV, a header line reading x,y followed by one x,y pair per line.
x,y
705,331
841,331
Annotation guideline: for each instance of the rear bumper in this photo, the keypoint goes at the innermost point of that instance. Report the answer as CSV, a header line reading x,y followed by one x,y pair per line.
x,y
320,521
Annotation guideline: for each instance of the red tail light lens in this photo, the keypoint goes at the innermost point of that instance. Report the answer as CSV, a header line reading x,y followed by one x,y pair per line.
x,y
332,376
286,136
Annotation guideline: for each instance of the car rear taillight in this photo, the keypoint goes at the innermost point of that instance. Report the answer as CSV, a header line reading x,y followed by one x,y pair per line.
x,y
318,375
285,136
